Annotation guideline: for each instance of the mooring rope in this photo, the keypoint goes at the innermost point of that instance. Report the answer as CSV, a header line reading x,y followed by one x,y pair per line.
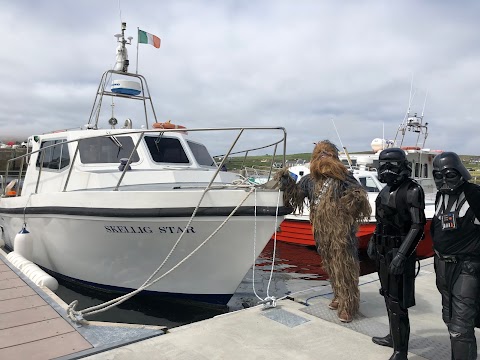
x,y
78,316
268,301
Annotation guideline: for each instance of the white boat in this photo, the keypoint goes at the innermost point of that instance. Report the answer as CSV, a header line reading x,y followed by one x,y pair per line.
x,y
105,207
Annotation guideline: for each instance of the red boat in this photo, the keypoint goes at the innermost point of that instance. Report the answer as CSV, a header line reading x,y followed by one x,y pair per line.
x,y
300,232
296,228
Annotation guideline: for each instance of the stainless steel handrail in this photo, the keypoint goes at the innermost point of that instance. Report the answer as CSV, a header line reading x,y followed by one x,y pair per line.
x,y
142,135
129,161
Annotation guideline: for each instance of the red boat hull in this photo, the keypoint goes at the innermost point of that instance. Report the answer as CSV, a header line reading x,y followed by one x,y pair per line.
x,y
300,232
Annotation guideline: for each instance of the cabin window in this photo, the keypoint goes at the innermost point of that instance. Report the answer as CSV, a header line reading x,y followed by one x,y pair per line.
x,y
425,170
368,184
166,150
55,155
417,170
201,154
104,150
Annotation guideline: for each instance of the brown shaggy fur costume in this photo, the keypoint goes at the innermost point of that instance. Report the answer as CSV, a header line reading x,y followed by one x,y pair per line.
x,y
339,205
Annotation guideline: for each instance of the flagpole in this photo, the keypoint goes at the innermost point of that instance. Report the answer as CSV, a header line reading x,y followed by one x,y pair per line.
x,y
138,31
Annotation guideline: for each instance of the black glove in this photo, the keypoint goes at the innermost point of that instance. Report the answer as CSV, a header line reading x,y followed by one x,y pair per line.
x,y
397,266
372,249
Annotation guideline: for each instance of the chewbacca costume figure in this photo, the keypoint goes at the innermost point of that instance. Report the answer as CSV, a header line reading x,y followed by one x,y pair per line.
x,y
337,204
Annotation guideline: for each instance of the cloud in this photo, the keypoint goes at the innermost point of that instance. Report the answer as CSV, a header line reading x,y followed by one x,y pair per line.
x,y
267,63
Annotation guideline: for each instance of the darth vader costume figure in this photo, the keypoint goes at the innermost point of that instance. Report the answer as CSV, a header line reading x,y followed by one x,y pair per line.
x,y
456,240
400,223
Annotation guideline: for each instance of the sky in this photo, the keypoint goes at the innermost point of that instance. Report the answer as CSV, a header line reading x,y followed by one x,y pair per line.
x,y
322,69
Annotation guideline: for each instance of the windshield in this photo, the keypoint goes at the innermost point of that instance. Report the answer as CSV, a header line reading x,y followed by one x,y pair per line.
x,y
166,150
106,150
201,154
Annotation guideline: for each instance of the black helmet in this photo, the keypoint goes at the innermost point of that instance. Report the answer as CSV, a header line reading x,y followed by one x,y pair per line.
x,y
449,172
393,166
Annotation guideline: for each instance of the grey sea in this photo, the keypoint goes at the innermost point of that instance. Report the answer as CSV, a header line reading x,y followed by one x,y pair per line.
x,y
296,268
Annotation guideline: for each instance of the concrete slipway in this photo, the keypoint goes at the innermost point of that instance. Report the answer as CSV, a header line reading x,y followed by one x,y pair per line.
x,y
302,327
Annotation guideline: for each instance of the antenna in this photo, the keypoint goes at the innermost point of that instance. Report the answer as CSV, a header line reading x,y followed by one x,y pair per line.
x,y
122,55
344,148
383,135
120,11
401,127
424,103
414,123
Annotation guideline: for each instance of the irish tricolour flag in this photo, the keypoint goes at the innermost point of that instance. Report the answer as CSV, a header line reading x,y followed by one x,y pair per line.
x,y
147,38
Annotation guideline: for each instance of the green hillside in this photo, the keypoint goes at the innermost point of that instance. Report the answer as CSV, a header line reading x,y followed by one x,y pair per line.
x,y
471,162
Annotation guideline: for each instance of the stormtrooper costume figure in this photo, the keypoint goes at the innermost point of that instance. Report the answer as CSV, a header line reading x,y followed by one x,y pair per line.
x,y
456,240
400,224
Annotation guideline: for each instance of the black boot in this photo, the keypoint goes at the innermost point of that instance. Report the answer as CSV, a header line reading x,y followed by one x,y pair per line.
x,y
464,346
400,329
398,355
383,341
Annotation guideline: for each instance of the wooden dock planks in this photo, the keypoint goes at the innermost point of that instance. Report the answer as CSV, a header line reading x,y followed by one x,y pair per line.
x,y
29,327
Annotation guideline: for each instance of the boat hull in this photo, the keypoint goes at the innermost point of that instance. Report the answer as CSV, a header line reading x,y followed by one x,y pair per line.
x,y
118,255
298,231
116,240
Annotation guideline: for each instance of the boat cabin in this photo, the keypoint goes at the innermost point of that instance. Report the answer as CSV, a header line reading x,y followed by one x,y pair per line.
x,y
114,159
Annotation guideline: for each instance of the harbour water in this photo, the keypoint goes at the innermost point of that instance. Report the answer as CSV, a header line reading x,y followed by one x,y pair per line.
x,y
296,268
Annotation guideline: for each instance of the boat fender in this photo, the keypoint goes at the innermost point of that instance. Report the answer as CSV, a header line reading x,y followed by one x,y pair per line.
x,y
32,271
23,243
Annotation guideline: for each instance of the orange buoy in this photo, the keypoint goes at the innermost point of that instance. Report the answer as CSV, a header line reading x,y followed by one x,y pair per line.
x,y
168,125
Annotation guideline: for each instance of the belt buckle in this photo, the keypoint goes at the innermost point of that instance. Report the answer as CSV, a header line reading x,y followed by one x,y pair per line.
x,y
450,259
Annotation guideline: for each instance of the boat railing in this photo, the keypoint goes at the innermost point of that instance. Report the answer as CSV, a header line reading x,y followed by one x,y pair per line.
x,y
28,156
267,169
257,175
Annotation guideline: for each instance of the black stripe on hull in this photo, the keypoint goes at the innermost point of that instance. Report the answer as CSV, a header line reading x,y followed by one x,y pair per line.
x,y
153,212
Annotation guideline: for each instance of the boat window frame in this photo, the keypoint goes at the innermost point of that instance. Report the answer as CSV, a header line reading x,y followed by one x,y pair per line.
x,y
368,178
196,143
416,171
126,147
157,138
50,146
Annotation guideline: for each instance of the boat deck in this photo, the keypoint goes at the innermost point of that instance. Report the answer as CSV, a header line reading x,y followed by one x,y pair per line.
x,y
33,323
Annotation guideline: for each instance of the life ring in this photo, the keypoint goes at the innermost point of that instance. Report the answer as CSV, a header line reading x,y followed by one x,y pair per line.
x,y
411,148
168,125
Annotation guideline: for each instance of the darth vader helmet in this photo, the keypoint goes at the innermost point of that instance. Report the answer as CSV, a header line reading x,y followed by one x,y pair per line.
x,y
449,172
393,166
